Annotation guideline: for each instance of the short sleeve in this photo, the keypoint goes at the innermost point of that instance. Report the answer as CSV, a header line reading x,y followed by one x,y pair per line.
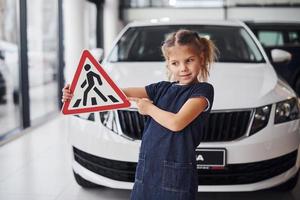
x,y
153,90
205,90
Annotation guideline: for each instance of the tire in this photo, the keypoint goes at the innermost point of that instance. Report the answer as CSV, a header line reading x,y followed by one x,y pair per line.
x,y
16,97
288,185
3,100
85,183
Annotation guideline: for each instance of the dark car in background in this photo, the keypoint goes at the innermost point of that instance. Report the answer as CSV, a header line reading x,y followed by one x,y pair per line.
x,y
283,36
2,80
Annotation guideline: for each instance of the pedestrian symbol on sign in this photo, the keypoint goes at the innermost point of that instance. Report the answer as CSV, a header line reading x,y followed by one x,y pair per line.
x,y
91,84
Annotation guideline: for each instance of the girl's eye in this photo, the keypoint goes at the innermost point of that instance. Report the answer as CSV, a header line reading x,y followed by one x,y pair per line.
x,y
174,63
190,60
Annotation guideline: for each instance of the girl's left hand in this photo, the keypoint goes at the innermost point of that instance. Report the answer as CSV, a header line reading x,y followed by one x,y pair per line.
x,y
143,104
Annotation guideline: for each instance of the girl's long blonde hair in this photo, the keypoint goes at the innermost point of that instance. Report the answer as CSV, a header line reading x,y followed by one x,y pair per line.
x,y
204,46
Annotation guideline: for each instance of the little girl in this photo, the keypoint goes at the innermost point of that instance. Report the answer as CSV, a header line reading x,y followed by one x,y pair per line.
x,y
166,168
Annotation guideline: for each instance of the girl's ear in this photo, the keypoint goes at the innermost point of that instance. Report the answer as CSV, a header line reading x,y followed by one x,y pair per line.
x,y
202,59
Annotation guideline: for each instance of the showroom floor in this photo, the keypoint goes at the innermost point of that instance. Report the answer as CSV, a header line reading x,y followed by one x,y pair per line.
x,y
36,166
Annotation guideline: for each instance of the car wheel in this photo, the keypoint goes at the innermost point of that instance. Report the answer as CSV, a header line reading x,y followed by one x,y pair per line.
x,y
3,101
288,185
16,97
84,183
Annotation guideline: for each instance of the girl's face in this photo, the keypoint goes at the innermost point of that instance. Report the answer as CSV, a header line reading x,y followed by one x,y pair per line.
x,y
184,63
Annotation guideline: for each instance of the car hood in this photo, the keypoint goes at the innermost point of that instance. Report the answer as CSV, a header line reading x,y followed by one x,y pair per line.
x,y
236,85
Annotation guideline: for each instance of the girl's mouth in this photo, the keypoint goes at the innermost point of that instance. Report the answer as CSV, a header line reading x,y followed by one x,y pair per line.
x,y
185,75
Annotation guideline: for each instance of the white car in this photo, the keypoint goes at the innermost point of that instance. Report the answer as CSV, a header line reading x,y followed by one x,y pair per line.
x,y
252,136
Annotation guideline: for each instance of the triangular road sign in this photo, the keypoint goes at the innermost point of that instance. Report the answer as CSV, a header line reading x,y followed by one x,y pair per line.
x,y
93,89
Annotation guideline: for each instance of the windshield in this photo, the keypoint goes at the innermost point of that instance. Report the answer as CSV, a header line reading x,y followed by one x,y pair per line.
x,y
139,44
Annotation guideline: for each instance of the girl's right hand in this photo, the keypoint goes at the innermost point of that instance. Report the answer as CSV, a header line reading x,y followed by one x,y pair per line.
x,y
67,95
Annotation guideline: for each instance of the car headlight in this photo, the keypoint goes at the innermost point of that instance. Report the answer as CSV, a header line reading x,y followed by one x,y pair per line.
x,y
86,116
287,110
261,118
108,119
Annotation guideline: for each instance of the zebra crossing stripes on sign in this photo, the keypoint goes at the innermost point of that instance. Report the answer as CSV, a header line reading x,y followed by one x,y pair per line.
x,y
93,90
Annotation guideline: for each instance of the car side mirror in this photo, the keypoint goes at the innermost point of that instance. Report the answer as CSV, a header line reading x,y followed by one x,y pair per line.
x,y
98,53
279,56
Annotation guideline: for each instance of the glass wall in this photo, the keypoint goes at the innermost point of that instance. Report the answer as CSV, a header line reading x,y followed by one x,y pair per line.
x,y
91,24
42,35
9,67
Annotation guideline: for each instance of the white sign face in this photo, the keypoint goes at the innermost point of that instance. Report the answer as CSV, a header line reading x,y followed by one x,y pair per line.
x,y
93,89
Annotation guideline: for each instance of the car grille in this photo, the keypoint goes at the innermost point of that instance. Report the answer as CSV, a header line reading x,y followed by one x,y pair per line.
x,y
245,173
220,126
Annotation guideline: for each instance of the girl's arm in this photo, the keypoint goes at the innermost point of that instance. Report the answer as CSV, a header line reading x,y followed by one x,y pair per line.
x,y
173,121
138,92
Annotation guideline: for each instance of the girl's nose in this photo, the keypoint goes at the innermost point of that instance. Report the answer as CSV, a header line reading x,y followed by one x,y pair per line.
x,y
183,67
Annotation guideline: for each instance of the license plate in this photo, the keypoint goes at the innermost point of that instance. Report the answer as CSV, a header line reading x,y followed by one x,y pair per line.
x,y
207,158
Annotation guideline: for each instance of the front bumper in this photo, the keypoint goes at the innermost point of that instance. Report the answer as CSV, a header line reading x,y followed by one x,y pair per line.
x,y
233,174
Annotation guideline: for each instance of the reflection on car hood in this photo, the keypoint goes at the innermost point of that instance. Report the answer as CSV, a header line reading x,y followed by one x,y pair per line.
x,y
237,85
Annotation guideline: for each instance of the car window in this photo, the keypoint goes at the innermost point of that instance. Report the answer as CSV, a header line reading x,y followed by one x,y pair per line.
x,y
252,51
144,43
294,38
270,38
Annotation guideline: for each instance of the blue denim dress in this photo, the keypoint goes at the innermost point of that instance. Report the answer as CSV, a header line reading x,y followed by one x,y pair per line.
x,y
166,168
